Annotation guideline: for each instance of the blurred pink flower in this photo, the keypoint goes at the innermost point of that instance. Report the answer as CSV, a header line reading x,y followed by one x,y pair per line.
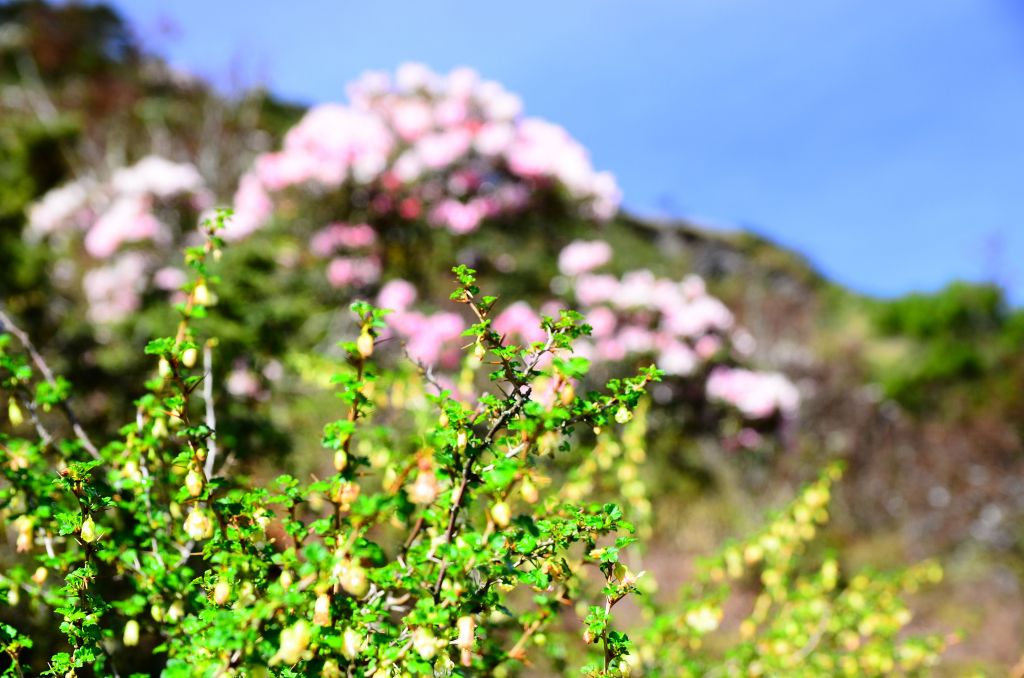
x,y
583,256
755,394
352,271
397,295
128,219
521,321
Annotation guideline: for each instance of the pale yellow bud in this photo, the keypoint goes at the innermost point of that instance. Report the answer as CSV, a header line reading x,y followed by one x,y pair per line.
x,y
340,460
322,610
331,669
198,525
176,611
201,294
623,415
26,531
352,643
424,642
194,482
467,630
221,592
88,531
461,440
14,413
501,514
294,641
286,580
189,356
157,612
39,576
164,368
13,597
364,344
353,579
131,633
529,491
160,428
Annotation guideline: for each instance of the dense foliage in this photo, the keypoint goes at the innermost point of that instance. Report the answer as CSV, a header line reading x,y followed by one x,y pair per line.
x,y
435,546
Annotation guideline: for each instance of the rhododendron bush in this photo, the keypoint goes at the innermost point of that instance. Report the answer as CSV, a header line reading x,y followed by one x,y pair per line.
x,y
375,198
492,530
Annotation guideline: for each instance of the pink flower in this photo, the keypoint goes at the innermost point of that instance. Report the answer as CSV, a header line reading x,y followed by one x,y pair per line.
x,y
113,290
170,278
521,321
59,208
352,271
458,217
602,320
677,359
443,148
755,394
128,219
252,209
596,289
583,256
335,236
158,176
397,295
412,119
702,315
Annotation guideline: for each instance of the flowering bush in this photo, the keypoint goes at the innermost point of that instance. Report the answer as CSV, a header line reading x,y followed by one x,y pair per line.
x,y
450,538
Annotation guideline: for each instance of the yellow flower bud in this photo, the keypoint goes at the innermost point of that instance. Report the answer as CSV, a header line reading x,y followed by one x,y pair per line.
x,y
623,415
157,612
353,579
340,460
164,368
501,514
461,440
13,597
176,611
201,294
322,610
331,670
14,413
529,491
424,642
364,344
467,630
293,644
131,633
88,531
39,576
352,643
194,482
221,592
198,525
189,356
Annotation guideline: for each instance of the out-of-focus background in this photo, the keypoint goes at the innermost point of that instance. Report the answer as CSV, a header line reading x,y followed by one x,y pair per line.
x,y
844,177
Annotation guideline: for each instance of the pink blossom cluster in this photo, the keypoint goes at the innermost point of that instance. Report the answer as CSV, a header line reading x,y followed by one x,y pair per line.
x,y
110,214
429,339
345,245
755,394
639,314
451,149
119,210
677,323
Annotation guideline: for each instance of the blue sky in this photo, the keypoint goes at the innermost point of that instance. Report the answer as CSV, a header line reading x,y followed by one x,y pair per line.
x,y
884,140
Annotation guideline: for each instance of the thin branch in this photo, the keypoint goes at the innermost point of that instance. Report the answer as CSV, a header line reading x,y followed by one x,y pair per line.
x,y
6,324
211,414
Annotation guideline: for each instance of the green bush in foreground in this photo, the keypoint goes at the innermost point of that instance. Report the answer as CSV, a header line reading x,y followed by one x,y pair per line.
x,y
452,539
